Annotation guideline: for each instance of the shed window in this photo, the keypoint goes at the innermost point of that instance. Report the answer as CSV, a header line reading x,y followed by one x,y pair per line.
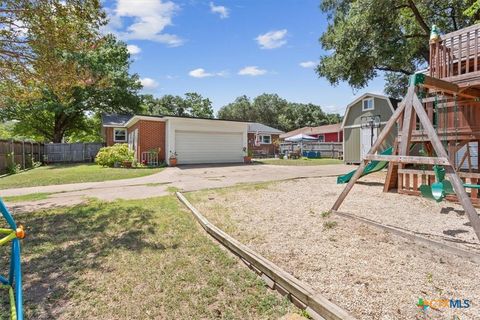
x,y
265,139
367,104
119,135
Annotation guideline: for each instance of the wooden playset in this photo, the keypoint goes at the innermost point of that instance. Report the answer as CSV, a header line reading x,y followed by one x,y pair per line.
x,y
438,125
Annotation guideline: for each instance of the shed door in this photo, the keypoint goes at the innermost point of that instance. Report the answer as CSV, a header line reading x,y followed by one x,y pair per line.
x,y
208,147
368,136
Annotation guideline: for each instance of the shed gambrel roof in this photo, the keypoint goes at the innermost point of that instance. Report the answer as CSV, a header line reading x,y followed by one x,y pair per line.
x,y
391,102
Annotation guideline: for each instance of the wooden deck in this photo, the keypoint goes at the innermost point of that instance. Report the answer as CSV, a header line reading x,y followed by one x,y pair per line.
x,y
455,57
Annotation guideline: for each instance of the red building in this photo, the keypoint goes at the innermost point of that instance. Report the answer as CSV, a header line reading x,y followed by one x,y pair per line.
x,y
326,133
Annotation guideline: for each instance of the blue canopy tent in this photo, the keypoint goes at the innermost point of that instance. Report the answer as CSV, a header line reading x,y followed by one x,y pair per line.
x,y
300,138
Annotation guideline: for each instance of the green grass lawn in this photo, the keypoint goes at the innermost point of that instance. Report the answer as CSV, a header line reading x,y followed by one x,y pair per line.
x,y
74,173
300,162
134,260
27,197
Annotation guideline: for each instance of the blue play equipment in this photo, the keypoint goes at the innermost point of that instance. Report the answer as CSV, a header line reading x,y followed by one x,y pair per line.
x,y
14,281
311,154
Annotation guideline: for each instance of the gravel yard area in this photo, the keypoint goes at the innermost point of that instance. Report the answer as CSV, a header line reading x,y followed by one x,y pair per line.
x,y
367,271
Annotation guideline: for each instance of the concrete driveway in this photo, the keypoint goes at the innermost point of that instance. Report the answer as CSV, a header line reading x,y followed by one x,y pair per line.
x,y
186,178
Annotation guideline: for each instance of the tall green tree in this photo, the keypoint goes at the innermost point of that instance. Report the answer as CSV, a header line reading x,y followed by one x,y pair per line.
x,y
110,89
366,38
274,111
241,109
199,106
73,71
192,105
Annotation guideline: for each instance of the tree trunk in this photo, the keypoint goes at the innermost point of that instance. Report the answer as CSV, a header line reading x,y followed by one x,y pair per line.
x,y
57,137
59,128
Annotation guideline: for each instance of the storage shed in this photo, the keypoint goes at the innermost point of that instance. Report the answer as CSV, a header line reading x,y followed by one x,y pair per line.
x,y
364,119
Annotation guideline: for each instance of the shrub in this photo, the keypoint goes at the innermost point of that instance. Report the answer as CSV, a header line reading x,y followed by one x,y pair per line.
x,y
118,153
12,167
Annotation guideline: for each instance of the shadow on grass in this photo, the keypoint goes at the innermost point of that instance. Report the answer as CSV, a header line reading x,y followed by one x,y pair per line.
x,y
63,245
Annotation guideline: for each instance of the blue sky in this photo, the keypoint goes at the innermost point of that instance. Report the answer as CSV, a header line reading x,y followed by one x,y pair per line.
x,y
224,49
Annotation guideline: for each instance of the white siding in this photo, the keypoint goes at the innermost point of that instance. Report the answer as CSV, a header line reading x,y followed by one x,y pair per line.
x,y
208,147
206,141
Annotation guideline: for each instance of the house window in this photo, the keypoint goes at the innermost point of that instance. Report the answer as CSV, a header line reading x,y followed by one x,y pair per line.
x,y
367,104
120,135
265,139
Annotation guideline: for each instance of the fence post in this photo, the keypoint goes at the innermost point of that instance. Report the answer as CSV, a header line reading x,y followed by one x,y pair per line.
x,y
23,154
12,152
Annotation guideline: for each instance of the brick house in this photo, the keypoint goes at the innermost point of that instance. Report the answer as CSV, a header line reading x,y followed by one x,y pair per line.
x,y
193,140
326,133
262,140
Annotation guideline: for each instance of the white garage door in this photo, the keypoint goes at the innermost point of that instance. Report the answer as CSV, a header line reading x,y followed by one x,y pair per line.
x,y
208,147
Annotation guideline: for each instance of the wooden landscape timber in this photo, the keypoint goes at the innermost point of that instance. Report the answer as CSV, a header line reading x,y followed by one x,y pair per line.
x,y
427,243
299,293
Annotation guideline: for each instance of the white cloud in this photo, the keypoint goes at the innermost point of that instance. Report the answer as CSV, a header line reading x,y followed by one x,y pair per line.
x,y
148,83
224,12
150,18
201,73
273,39
133,49
308,64
252,71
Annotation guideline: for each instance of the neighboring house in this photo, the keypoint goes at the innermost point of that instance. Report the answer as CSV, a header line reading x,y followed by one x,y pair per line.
x,y
194,140
364,119
326,133
261,140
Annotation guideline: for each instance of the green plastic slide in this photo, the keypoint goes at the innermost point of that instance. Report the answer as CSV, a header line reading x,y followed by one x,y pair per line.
x,y
372,167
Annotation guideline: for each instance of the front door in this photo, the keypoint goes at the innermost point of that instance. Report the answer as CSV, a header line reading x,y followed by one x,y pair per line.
x,y
368,136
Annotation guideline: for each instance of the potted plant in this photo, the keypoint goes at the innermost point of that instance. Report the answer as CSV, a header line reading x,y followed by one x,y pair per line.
x,y
127,163
173,158
248,155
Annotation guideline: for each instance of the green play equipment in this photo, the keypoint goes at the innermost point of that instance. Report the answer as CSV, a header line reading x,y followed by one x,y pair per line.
x,y
441,187
372,167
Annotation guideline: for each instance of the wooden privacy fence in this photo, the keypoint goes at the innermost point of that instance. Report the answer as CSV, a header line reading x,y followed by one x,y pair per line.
x,y
22,153
71,152
326,149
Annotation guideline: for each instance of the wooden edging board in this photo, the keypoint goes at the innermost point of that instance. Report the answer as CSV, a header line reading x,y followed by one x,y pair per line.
x,y
474,257
301,294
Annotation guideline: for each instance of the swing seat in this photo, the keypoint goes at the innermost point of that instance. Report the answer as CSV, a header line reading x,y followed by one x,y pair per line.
x,y
438,191
434,192
426,192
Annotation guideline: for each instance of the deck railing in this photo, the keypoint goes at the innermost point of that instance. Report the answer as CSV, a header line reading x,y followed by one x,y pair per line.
x,y
456,55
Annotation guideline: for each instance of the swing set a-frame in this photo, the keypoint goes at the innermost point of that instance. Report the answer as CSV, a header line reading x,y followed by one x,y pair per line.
x,y
453,83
